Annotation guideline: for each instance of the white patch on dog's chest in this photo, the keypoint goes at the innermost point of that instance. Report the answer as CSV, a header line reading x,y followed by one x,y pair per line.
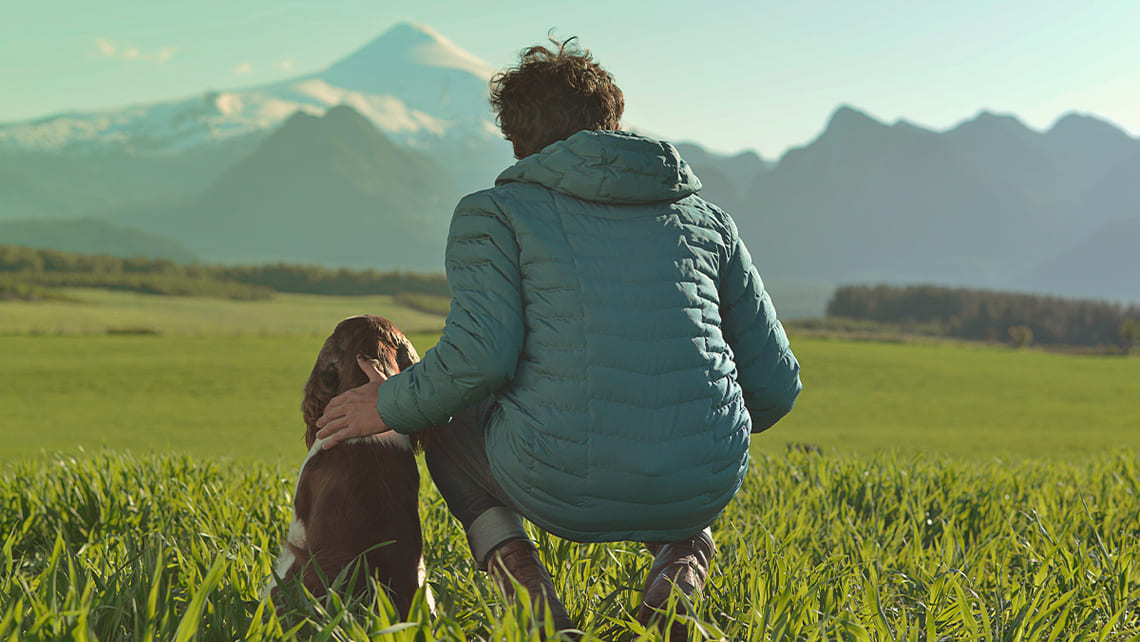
x,y
391,438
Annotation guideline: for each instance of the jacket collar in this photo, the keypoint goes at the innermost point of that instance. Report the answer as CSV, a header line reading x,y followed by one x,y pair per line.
x,y
608,167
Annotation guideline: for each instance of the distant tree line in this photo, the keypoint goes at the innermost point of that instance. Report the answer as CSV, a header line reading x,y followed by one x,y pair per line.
x,y
44,285
313,279
53,268
991,316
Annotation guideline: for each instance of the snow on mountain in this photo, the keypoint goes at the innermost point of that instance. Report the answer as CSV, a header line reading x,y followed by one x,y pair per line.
x,y
418,87
397,59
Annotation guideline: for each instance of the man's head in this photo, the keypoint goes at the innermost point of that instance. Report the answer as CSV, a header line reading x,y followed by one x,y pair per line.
x,y
552,94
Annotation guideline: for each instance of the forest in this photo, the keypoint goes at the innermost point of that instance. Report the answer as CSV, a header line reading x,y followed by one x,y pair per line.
x,y
984,315
27,273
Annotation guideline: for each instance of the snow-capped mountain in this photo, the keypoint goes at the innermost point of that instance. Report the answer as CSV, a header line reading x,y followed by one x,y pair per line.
x,y
415,85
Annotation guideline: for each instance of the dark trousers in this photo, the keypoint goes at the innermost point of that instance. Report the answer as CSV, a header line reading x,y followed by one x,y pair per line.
x,y
459,467
460,470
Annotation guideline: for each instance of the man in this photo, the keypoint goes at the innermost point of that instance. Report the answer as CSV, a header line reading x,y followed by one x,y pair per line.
x,y
608,351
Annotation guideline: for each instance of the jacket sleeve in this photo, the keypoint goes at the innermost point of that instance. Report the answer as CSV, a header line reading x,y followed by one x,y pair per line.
x,y
479,349
767,371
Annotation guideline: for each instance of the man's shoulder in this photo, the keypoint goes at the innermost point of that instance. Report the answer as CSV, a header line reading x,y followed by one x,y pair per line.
x,y
710,215
495,197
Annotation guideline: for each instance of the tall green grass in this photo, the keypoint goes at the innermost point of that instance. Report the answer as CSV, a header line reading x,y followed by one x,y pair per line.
x,y
117,547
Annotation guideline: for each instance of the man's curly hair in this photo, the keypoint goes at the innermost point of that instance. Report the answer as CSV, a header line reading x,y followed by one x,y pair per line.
x,y
552,94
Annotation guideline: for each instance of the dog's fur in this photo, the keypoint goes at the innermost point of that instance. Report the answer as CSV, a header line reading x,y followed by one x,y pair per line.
x,y
358,502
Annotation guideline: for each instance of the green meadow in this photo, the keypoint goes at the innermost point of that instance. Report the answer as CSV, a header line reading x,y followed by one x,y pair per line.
x,y
85,311
222,378
959,491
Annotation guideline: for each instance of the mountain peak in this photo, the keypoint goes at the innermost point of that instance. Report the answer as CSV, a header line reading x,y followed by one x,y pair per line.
x,y
410,33
988,123
345,114
1075,125
848,124
403,51
341,123
846,117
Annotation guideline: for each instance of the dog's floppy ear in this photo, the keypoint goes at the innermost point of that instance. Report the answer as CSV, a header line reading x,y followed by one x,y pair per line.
x,y
402,349
405,353
324,380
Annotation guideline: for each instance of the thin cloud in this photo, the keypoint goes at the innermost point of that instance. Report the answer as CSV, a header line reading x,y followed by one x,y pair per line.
x,y
164,54
286,65
243,68
107,48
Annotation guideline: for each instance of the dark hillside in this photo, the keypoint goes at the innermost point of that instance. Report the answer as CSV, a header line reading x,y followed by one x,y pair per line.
x,y
1104,264
867,201
331,190
46,185
92,236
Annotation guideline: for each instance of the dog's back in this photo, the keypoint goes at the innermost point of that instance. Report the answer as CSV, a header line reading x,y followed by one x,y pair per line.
x,y
357,502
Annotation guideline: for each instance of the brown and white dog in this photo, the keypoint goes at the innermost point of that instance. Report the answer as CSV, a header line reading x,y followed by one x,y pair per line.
x,y
357,503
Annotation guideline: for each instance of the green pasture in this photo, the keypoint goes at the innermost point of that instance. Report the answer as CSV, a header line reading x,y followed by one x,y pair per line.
x,y
215,377
236,396
961,399
239,396
90,311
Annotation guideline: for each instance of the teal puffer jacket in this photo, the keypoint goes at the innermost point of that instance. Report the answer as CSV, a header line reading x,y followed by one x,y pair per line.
x,y
619,322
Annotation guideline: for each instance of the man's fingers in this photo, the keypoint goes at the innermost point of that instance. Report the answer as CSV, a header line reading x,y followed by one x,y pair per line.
x,y
335,438
336,401
371,367
332,426
332,411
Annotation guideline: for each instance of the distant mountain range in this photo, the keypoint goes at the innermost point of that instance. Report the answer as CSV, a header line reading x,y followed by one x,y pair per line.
x,y
989,203
360,164
329,190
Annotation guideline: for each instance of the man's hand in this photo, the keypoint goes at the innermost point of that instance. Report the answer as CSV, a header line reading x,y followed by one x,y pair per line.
x,y
353,413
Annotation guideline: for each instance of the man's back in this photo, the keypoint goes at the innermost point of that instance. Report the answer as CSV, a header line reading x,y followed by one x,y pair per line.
x,y
623,418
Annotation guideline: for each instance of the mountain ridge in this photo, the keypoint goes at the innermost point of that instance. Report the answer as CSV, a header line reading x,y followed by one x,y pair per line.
x,y
439,97
907,205
329,189
989,202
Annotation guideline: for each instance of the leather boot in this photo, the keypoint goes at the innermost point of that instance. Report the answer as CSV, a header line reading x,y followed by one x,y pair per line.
x,y
518,558
684,564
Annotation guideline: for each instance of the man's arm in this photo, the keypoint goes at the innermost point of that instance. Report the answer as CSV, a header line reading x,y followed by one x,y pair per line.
x,y
479,349
766,368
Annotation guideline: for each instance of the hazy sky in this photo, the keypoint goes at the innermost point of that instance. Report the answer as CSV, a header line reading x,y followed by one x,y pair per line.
x,y
753,74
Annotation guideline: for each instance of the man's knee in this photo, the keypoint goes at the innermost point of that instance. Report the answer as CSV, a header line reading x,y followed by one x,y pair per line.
x,y
490,530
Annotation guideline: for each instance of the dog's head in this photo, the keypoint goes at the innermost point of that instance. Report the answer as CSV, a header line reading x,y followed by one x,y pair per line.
x,y
336,369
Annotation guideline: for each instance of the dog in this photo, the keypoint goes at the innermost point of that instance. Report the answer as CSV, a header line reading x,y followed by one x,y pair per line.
x,y
356,506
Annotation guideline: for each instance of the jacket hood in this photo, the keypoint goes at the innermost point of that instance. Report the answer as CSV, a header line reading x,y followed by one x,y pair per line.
x,y
608,167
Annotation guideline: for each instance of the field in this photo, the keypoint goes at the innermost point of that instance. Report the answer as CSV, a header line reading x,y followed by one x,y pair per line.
x,y
98,311
239,396
960,492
